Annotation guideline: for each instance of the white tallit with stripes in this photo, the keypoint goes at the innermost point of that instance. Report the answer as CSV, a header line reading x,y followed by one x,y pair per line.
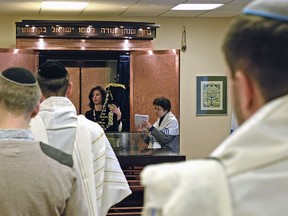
x,y
169,125
104,183
194,187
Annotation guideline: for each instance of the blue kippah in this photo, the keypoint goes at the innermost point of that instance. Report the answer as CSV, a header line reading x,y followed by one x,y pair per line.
x,y
273,9
19,75
52,70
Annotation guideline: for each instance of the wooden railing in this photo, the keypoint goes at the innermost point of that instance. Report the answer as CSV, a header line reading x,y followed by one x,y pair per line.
x,y
132,164
132,205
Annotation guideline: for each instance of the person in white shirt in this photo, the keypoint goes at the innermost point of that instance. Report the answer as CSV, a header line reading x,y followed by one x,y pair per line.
x,y
58,125
163,135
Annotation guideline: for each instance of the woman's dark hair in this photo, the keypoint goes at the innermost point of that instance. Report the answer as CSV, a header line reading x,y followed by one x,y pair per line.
x,y
102,92
162,102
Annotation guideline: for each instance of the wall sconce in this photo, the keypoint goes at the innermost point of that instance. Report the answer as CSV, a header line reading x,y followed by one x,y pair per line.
x,y
183,42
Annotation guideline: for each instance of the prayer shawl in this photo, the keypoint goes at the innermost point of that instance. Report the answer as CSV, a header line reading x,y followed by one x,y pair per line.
x,y
104,183
186,188
255,157
256,161
169,125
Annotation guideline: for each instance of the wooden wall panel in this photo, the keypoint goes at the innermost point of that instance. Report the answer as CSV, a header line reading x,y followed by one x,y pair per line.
x,y
154,74
91,77
82,44
20,58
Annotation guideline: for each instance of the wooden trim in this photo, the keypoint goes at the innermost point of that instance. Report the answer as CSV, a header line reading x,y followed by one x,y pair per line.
x,y
82,44
17,51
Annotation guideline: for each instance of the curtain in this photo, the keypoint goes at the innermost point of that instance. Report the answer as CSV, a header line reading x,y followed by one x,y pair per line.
x,y
123,77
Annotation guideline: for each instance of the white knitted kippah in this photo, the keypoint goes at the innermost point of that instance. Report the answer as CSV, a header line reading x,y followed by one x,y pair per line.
x,y
273,9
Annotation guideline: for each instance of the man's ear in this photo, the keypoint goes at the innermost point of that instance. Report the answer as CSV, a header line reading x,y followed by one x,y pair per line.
x,y
42,98
246,93
70,89
36,110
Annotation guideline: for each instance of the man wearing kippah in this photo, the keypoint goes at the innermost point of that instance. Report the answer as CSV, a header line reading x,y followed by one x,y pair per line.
x,y
250,174
58,125
36,179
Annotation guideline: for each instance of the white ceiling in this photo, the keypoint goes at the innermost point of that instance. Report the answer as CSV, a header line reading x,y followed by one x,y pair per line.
x,y
126,8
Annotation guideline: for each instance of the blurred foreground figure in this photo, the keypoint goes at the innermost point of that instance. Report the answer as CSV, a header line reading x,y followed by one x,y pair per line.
x,y
36,179
249,174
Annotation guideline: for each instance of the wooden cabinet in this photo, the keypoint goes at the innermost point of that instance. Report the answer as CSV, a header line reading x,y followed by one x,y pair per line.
x,y
153,73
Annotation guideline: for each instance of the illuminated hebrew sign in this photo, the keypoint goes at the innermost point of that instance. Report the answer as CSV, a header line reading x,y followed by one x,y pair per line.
x,y
85,29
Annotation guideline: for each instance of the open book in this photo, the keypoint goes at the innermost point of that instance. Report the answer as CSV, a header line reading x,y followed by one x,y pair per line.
x,y
140,118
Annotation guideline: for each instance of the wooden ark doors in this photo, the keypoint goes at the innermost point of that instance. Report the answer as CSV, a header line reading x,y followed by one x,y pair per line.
x,y
84,79
87,69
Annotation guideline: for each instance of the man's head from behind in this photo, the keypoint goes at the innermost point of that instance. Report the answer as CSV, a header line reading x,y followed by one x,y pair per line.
x,y
53,79
256,47
19,91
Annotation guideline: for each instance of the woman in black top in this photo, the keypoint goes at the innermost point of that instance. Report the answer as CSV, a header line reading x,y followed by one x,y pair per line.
x,y
108,116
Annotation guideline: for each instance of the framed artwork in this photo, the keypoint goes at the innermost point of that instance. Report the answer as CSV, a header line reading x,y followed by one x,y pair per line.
x,y
211,95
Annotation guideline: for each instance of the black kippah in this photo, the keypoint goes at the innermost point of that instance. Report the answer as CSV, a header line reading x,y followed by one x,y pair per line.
x,y
19,75
52,70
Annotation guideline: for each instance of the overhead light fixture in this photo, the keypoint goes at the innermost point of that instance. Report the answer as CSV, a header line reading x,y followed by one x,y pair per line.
x,y
63,5
196,6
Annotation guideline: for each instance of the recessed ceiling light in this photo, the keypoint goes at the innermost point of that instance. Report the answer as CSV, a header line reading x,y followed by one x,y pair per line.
x,y
196,6
63,5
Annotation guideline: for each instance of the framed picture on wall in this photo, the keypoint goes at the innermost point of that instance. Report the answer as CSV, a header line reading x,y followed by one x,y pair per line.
x,y
211,95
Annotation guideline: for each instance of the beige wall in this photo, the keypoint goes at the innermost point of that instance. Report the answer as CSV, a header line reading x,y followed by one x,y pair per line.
x,y
199,135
